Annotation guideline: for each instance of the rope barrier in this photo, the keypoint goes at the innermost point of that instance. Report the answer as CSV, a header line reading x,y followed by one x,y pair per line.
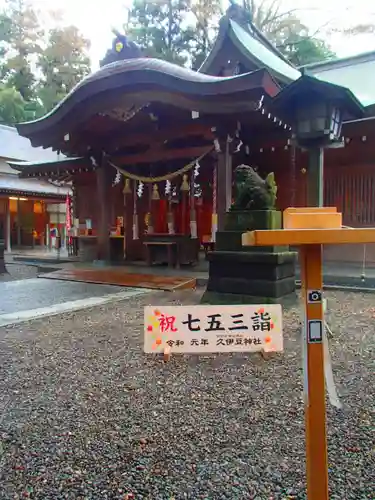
x,y
161,178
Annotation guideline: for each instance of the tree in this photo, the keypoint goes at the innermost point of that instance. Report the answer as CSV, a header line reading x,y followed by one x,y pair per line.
x,y
12,106
157,28
285,30
202,35
20,34
63,63
161,28
302,50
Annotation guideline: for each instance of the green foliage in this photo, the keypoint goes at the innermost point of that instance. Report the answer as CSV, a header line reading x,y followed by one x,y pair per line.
x,y
179,31
59,56
20,40
286,31
12,106
157,29
252,192
204,31
64,62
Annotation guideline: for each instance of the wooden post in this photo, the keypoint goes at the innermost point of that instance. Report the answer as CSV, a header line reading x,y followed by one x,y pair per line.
x,y
224,188
125,222
150,228
315,181
193,213
103,184
310,229
18,223
8,227
315,406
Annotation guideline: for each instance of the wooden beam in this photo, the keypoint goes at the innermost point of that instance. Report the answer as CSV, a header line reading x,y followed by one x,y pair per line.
x,y
153,156
296,237
159,137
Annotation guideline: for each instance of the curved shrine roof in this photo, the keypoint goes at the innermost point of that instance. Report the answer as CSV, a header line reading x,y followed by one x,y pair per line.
x,y
138,82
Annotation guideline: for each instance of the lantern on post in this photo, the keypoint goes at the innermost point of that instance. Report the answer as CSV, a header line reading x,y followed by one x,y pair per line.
x,y
316,111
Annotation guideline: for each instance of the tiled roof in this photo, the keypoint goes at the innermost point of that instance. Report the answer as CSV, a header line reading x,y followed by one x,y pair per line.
x,y
15,147
357,73
12,183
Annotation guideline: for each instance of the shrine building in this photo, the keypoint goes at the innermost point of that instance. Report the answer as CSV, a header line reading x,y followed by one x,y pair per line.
x,y
150,147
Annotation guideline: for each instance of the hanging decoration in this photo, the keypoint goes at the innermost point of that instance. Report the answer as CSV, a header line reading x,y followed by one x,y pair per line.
x,y
117,179
140,189
68,206
185,183
161,178
135,215
155,193
197,190
127,189
94,163
196,169
214,206
168,193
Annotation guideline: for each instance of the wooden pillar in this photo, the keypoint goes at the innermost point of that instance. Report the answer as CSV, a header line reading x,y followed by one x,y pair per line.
x,y
8,227
18,223
315,180
314,390
103,180
293,176
224,185
150,228
193,213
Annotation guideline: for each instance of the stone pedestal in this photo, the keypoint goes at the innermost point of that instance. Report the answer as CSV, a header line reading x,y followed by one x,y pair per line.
x,y
88,249
257,275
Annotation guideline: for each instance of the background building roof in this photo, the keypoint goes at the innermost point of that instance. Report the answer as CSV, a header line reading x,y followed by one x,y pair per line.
x,y
357,73
12,184
15,147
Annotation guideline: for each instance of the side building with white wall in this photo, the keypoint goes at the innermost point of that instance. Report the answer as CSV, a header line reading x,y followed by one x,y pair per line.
x,y
29,208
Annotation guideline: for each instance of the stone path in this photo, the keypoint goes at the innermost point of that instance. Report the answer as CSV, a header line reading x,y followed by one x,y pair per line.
x,y
32,298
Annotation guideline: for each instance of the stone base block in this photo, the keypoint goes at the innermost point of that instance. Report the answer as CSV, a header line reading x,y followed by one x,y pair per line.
x,y
250,277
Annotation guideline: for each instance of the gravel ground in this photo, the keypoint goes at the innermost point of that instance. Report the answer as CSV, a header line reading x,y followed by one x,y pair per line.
x,y
18,272
84,414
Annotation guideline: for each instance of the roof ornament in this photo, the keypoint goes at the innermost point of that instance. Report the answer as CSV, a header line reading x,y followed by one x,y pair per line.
x,y
122,48
238,13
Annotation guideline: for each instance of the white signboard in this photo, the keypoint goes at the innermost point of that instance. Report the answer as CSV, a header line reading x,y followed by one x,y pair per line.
x,y
210,329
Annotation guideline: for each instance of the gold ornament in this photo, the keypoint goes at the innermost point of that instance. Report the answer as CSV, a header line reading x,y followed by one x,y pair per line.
x,y
185,183
127,189
119,46
147,219
155,193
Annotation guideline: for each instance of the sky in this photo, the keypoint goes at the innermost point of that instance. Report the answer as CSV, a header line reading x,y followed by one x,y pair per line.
x,y
96,17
